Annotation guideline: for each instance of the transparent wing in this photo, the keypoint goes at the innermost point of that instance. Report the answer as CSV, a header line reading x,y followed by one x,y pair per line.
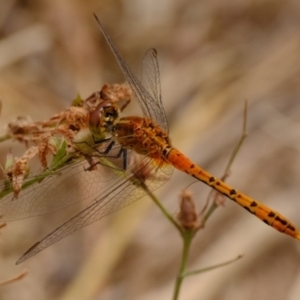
x,y
103,198
151,81
49,191
112,199
151,106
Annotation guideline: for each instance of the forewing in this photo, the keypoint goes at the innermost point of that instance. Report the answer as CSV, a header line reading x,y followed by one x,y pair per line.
x,y
149,105
151,82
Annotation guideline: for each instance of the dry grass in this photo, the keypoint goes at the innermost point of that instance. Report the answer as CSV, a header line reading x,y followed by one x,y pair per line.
x,y
213,55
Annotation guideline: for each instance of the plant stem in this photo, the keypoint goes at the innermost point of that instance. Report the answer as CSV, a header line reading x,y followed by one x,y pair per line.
x,y
161,207
187,237
190,273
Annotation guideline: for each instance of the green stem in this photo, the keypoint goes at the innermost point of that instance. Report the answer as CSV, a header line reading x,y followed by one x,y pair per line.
x,y
190,273
187,240
210,211
161,207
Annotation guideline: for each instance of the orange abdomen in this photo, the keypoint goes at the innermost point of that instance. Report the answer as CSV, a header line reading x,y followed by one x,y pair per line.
x,y
264,213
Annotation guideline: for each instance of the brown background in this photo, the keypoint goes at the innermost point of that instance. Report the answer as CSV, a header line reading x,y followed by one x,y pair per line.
x,y
213,55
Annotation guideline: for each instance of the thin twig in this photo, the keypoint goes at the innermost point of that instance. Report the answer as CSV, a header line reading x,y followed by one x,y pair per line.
x,y
233,155
14,279
190,273
161,207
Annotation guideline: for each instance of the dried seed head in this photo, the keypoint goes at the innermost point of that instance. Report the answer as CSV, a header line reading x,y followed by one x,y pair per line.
x,y
20,169
117,93
187,216
21,126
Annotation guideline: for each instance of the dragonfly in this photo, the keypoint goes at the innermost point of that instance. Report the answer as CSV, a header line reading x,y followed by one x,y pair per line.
x,y
153,158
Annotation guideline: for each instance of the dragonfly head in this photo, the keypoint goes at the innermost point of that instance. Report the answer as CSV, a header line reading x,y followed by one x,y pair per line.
x,y
103,117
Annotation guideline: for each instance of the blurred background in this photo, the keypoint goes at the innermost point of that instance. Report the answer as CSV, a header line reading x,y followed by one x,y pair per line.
x,y
213,56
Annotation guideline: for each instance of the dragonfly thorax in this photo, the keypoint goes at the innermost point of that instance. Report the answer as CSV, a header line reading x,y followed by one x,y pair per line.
x,y
143,136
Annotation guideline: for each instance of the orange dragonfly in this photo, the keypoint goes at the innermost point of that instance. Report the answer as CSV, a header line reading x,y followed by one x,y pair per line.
x,y
148,137
145,139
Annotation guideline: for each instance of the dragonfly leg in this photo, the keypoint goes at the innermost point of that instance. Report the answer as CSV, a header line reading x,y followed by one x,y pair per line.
x,y
122,152
108,149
